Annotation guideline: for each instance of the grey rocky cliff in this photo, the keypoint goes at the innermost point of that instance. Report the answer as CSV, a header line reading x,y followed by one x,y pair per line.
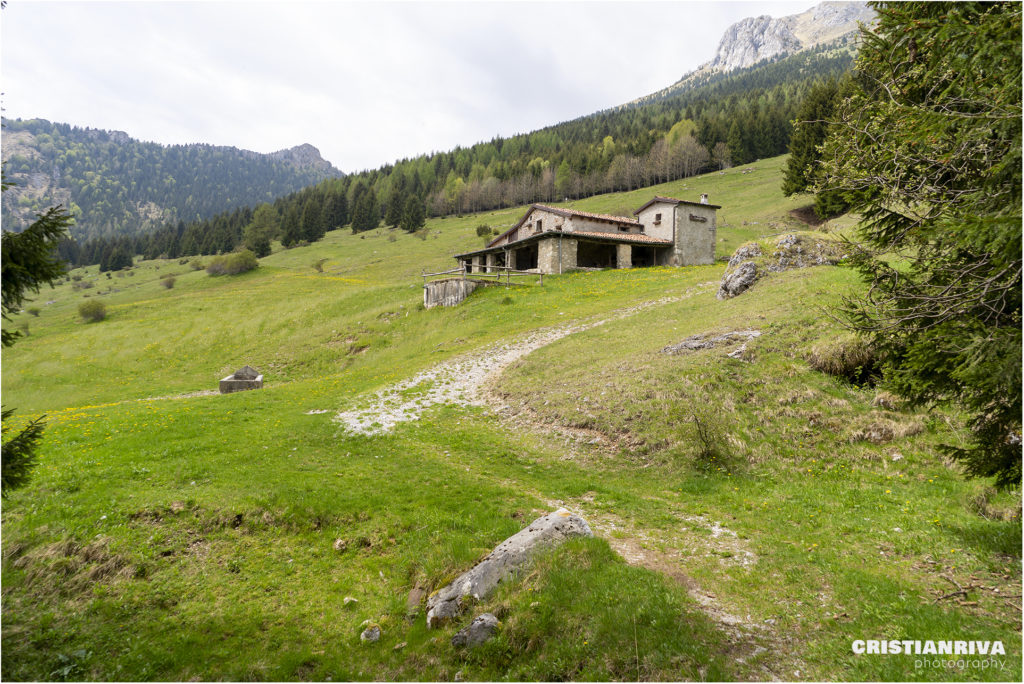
x,y
304,156
753,39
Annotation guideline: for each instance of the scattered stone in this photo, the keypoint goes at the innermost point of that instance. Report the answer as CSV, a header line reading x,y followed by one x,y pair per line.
x,y
458,676
245,378
479,581
710,341
416,596
340,544
476,632
348,601
371,634
399,646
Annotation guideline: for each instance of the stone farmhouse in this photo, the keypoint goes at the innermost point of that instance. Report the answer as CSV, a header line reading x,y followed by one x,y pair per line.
x,y
665,232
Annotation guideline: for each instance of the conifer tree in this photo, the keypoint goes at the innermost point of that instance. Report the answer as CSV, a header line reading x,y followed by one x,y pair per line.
x,y
28,260
928,146
414,214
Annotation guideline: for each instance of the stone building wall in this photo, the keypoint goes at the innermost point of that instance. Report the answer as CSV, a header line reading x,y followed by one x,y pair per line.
x,y
547,257
663,229
695,234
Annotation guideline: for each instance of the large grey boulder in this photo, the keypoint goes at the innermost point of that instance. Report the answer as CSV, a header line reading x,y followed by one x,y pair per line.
x,y
476,632
509,555
738,281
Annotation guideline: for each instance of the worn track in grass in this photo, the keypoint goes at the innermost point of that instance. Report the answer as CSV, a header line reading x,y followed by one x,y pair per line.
x,y
459,381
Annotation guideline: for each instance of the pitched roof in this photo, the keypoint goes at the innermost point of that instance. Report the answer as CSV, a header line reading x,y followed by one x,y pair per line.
x,y
673,200
586,214
558,211
639,238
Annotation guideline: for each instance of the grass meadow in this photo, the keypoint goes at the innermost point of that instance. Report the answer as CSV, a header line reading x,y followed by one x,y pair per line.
x,y
753,516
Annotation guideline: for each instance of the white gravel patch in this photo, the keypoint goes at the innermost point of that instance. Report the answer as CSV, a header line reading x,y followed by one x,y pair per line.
x,y
458,381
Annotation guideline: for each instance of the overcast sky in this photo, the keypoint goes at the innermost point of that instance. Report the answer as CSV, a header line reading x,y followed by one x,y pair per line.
x,y
367,83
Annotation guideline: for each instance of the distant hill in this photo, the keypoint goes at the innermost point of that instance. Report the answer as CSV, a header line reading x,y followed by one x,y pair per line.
x,y
116,185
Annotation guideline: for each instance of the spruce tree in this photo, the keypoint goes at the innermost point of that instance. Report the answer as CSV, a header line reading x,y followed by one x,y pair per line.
x,y
413,215
28,260
928,146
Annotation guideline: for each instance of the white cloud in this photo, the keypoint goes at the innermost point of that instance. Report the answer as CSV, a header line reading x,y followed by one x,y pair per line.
x,y
365,82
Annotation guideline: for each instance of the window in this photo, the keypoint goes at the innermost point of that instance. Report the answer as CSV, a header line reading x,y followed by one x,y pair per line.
x,y
539,224
657,218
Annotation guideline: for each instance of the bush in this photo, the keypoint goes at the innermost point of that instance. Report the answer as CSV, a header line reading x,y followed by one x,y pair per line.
x,y
849,358
82,285
92,311
233,264
168,281
33,310
196,264
318,265
483,230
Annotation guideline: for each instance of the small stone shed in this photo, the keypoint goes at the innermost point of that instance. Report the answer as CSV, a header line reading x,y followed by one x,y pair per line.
x,y
665,232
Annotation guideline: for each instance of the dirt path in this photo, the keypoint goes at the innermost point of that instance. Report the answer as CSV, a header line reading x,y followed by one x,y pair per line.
x,y
459,381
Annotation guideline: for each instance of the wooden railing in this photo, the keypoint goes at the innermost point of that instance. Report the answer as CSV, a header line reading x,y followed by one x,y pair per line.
x,y
495,272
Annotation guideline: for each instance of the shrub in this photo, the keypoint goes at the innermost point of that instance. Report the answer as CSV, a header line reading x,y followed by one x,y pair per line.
x,y
849,358
318,265
168,281
92,311
703,429
82,285
76,277
33,310
196,264
483,230
233,264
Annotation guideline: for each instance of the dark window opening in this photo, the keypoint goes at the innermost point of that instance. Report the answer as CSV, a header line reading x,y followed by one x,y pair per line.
x,y
539,224
657,218
643,256
526,258
596,255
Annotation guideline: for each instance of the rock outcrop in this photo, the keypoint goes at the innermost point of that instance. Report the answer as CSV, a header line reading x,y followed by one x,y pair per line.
x,y
751,40
476,632
508,556
749,262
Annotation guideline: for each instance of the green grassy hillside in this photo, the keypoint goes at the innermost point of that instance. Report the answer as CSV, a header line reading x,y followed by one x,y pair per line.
x,y
753,516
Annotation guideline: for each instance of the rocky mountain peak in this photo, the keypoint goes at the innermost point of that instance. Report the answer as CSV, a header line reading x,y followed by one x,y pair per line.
x,y
756,38
304,156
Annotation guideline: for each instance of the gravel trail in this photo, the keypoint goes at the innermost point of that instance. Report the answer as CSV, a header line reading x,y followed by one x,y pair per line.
x,y
458,381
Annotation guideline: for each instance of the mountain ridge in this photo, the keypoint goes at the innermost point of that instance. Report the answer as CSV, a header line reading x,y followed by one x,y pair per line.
x,y
116,184
764,38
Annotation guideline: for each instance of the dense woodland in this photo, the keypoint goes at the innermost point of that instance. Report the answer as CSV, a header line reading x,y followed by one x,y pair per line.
x,y
114,185
726,120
